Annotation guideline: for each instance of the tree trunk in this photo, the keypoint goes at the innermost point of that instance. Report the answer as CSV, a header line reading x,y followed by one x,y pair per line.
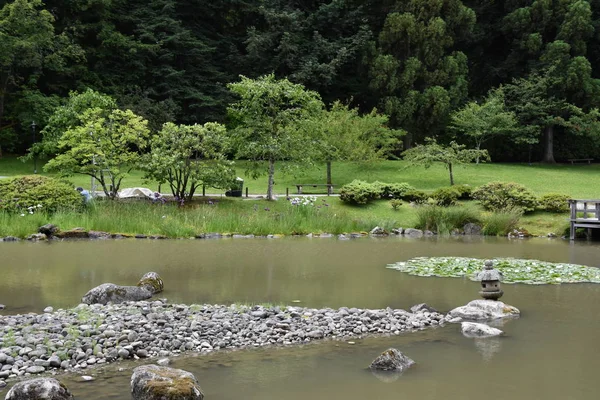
x,y
3,90
477,147
451,175
329,172
271,176
407,141
549,145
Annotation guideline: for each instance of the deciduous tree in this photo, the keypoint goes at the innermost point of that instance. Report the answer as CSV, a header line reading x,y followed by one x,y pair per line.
x,y
267,118
453,154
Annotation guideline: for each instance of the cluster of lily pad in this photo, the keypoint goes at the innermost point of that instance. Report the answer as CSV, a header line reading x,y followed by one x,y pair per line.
x,y
533,272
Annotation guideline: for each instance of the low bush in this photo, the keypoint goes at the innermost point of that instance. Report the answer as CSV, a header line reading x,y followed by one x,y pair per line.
x,y
391,190
445,197
35,193
503,222
500,196
359,192
396,204
445,219
554,203
415,196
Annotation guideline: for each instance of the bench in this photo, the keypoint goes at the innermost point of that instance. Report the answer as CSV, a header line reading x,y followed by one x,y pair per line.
x,y
580,160
299,186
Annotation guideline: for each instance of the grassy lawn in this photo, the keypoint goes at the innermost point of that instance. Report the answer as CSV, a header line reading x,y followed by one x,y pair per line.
x,y
261,217
578,181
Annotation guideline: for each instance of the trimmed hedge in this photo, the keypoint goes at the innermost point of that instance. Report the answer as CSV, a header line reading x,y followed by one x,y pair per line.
x,y
500,196
554,203
361,192
35,193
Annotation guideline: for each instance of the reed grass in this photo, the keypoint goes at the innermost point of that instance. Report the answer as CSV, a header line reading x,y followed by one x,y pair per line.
x,y
443,220
501,223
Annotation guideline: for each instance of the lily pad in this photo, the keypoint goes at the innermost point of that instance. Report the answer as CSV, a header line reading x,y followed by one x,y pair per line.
x,y
531,272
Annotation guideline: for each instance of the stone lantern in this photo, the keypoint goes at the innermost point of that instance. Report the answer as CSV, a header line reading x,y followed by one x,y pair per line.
x,y
490,282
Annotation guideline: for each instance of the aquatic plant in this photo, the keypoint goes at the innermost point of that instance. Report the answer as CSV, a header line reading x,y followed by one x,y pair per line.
x,y
533,272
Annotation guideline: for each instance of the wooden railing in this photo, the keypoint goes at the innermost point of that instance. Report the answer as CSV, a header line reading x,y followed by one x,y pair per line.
x,y
590,218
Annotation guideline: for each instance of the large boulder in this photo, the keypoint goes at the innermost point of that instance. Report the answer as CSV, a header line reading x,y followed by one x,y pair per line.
x,y
153,382
411,232
109,292
474,329
483,310
150,284
75,233
392,360
39,389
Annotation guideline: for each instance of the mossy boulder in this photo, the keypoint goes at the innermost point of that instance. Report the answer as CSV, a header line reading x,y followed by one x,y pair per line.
x,y
153,382
39,389
152,281
75,233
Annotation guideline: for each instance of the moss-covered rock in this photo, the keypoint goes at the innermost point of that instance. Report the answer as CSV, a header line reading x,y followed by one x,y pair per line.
x,y
152,382
152,281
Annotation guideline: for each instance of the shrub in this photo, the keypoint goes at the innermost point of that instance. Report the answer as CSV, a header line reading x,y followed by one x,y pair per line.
x,y
358,192
501,223
445,197
396,204
554,202
415,196
34,192
444,219
465,192
499,196
391,190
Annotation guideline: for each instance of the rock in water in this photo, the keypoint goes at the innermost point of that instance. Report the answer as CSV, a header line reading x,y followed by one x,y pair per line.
x,y
109,292
473,329
150,284
152,382
152,281
481,310
39,389
422,307
392,360
49,229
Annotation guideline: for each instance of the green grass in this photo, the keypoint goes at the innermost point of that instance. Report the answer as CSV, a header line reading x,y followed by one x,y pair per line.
x,y
224,215
578,181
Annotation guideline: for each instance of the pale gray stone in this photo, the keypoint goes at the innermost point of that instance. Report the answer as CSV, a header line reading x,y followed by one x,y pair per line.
x,y
39,389
481,310
474,329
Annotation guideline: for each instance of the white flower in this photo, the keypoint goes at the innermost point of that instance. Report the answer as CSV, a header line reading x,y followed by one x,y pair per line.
x,y
39,206
164,216
22,215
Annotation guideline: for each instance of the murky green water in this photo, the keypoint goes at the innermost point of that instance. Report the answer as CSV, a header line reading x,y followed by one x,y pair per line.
x,y
550,352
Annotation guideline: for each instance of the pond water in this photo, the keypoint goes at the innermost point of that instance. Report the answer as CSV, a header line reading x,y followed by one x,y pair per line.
x,y
548,353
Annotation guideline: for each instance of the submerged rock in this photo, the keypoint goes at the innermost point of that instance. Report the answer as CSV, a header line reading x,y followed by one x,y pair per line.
x,y
481,310
392,360
152,382
474,329
39,389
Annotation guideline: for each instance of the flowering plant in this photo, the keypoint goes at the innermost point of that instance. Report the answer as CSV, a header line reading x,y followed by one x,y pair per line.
x,y
303,201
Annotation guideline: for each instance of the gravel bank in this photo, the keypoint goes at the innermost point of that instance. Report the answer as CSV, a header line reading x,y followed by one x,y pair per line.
x,y
90,335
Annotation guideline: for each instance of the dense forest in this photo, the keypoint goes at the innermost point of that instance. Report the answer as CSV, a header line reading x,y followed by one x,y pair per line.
x,y
418,61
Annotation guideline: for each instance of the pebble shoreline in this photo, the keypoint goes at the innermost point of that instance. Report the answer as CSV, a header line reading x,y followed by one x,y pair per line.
x,y
90,335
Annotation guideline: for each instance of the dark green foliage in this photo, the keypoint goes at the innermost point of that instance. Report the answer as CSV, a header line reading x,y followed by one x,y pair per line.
x,y
34,193
444,220
415,196
464,191
359,192
500,196
554,203
391,190
445,197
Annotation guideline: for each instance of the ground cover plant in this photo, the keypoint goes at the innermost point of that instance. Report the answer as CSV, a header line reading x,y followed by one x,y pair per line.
x,y
532,272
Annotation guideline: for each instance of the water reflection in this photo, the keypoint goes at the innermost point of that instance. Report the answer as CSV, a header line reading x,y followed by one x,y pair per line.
x,y
558,324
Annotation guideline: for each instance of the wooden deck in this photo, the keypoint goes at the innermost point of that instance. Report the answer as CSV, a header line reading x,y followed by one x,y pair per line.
x,y
584,214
